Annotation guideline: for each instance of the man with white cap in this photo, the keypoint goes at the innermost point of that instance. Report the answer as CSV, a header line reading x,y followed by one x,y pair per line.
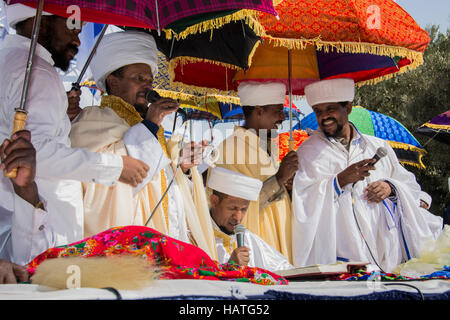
x,y
435,222
59,167
124,66
346,207
250,151
230,199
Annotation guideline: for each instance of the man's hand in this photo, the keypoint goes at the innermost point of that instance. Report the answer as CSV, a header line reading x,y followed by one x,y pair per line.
x,y
288,168
18,153
12,273
377,191
241,256
356,172
73,97
192,155
134,171
161,108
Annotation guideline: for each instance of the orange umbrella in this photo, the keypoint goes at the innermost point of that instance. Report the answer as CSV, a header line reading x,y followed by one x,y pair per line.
x,y
365,40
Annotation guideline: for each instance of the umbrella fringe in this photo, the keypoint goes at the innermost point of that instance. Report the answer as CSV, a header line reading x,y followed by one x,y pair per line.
x,y
421,152
436,126
349,47
196,98
249,16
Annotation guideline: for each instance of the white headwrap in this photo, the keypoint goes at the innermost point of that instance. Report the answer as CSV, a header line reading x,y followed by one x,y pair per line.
x,y
333,90
122,48
18,12
261,94
234,184
426,198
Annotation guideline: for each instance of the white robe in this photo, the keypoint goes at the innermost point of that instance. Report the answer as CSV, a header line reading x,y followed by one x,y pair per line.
x,y
262,255
324,227
59,167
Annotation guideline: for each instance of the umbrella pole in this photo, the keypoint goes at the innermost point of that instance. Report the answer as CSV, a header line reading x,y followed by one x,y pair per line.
x,y
157,17
76,85
20,117
291,139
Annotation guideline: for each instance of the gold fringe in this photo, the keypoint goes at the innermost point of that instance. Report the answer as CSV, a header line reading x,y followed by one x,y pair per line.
x,y
436,126
405,146
249,16
196,99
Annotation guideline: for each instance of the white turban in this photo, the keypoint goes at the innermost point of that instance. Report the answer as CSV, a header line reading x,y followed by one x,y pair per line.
x,y
426,198
234,184
122,48
260,94
16,13
333,90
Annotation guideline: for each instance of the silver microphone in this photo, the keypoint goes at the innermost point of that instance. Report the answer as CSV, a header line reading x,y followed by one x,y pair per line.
x,y
381,152
239,230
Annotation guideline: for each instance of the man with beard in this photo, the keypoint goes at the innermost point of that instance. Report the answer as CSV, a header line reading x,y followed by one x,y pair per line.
x,y
59,167
249,151
345,206
230,199
124,66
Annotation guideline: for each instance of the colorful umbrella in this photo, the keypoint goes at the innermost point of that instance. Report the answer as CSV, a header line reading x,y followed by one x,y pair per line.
x,y
437,128
407,148
156,14
366,41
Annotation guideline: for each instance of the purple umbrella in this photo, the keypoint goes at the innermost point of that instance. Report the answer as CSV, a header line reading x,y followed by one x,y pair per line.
x,y
437,128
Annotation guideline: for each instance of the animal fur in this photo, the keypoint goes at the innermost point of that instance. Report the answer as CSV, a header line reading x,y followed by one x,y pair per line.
x,y
122,272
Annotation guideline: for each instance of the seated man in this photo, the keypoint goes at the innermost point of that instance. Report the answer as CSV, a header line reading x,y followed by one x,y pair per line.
x,y
434,222
232,193
345,206
27,231
249,150
124,66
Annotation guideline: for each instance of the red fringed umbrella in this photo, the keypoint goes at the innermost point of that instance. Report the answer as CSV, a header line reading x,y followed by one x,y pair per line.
x,y
154,14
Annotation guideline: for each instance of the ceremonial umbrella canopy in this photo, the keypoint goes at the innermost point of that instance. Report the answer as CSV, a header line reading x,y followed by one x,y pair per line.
x,y
154,14
406,147
364,40
320,39
437,128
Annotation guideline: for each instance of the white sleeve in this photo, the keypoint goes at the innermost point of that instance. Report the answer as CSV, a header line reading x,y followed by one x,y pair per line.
x,y
31,231
143,145
49,126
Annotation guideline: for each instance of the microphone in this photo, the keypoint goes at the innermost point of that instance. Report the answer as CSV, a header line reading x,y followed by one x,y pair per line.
x,y
153,96
239,230
381,152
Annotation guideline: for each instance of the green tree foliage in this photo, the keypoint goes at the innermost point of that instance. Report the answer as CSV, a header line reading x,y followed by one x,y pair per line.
x,y
413,98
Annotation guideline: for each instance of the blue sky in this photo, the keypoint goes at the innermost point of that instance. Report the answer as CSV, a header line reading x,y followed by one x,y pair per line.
x,y
427,12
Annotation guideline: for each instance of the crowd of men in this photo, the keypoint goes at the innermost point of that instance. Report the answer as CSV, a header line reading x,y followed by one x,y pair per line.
x,y
83,171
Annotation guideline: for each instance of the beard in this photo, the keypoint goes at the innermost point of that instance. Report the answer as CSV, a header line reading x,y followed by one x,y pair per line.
x,y
334,133
60,56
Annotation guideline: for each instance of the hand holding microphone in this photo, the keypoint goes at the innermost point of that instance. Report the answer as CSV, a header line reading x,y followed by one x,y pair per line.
x,y
159,107
240,255
360,170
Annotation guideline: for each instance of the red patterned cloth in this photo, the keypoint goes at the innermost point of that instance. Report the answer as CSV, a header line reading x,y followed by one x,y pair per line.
x,y
142,13
381,22
176,259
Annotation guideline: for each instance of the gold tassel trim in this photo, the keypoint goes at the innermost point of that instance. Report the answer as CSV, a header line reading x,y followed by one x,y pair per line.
x,y
408,147
249,16
436,126
194,99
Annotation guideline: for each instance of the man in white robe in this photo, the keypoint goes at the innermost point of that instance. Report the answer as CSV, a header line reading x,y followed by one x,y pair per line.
x,y
124,66
29,233
59,167
436,223
230,199
346,207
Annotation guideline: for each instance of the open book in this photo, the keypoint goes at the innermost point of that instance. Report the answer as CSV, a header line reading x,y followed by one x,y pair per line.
x,y
323,270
